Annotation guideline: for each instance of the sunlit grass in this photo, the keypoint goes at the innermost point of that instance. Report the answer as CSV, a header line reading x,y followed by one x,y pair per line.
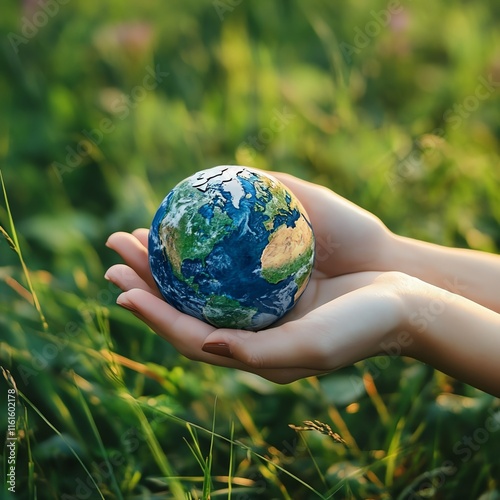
x,y
109,410
13,242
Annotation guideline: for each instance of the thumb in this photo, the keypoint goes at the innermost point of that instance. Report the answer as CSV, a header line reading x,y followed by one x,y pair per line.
x,y
286,346
335,334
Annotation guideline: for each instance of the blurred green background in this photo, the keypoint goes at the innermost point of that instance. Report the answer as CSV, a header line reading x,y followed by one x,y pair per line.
x,y
105,106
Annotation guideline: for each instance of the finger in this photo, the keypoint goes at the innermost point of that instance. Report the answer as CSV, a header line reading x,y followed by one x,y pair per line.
x,y
142,235
187,334
283,375
184,332
288,346
126,279
337,334
133,253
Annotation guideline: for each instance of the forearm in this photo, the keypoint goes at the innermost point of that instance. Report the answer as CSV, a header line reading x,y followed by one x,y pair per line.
x,y
455,335
472,274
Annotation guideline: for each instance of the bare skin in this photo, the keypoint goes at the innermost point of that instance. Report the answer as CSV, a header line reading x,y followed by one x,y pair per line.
x,y
370,290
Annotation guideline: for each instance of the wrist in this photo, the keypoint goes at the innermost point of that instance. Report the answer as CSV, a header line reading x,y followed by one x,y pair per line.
x,y
454,335
406,294
420,259
424,305
391,254
419,306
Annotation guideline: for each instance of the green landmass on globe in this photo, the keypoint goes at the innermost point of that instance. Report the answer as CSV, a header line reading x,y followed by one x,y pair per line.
x,y
231,246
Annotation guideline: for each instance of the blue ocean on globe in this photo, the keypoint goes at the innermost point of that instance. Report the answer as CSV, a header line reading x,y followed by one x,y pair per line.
x,y
231,246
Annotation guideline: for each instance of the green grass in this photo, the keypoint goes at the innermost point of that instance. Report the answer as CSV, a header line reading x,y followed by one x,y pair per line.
x,y
406,125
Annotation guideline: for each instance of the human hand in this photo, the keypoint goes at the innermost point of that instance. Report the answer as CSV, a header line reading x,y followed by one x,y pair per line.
x,y
349,239
337,321
350,310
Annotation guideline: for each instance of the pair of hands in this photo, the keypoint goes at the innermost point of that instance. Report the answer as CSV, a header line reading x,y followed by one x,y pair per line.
x,y
348,312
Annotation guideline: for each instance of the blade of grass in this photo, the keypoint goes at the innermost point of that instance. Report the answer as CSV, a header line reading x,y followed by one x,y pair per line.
x,y
207,483
6,235
241,481
243,446
394,445
15,241
158,454
75,454
365,471
247,421
231,462
378,403
104,453
195,449
427,476
204,463
321,476
31,463
12,383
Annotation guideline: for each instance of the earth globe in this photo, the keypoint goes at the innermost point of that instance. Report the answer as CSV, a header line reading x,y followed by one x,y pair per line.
x,y
231,246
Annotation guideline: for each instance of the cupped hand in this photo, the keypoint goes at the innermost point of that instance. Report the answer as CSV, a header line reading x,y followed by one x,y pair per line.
x,y
337,321
349,239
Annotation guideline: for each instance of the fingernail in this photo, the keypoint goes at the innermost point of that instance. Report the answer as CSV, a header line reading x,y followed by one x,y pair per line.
x,y
109,277
123,302
219,348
